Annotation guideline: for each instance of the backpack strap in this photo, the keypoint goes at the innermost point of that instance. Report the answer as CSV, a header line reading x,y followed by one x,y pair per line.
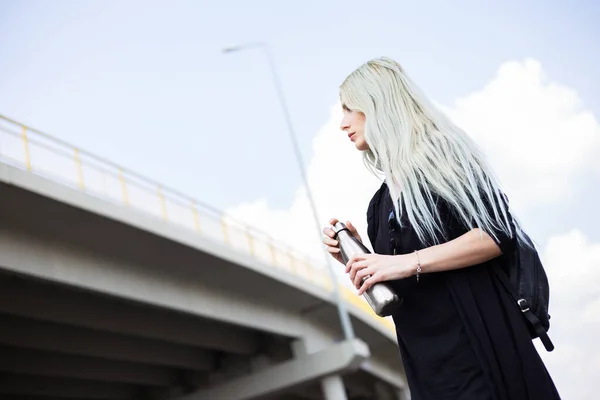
x,y
524,307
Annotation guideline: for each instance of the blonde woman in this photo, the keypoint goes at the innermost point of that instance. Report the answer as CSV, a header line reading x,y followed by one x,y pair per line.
x,y
436,225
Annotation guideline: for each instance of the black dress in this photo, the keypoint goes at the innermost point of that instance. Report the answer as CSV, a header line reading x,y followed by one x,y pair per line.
x,y
461,337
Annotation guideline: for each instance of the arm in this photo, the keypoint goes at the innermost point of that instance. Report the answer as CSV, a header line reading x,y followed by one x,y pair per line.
x,y
471,248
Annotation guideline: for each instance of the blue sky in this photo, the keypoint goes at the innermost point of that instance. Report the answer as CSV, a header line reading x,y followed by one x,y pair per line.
x,y
144,83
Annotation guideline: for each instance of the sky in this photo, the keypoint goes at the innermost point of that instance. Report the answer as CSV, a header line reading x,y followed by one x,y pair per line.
x,y
146,85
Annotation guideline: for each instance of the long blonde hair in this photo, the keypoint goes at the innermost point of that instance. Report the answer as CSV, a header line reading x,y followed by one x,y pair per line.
x,y
422,153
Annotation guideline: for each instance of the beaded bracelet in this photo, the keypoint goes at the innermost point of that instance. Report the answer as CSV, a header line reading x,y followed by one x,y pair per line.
x,y
418,265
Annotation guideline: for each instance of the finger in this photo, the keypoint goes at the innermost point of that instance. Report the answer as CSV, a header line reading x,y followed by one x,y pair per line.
x,y
354,270
354,259
367,284
365,272
333,250
357,266
330,242
333,221
358,257
360,275
349,264
361,264
353,230
329,232
350,227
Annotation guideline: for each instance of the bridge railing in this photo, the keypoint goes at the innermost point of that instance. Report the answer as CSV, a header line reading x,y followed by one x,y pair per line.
x,y
44,155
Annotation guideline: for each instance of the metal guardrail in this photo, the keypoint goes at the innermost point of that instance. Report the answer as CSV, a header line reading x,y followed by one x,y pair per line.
x,y
44,155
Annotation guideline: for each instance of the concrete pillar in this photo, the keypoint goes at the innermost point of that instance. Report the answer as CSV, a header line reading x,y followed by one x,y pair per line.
x,y
333,388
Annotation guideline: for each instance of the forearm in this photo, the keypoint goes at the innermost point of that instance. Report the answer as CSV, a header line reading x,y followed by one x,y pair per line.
x,y
474,247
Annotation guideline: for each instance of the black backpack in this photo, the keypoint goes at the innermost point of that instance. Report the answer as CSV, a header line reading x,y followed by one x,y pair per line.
x,y
528,284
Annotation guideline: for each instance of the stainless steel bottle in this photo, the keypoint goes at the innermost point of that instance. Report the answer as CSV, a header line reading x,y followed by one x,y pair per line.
x,y
380,296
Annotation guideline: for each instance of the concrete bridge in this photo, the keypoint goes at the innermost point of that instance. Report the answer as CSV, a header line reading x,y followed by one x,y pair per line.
x,y
105,295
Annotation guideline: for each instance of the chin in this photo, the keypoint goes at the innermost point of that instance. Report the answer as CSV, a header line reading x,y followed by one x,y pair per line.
x,y
362,145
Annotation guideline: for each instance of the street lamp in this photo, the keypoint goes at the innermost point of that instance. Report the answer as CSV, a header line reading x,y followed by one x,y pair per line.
x,y
342,311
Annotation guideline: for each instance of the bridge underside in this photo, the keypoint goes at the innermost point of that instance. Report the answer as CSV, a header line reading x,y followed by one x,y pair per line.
x,y
93,308
58,342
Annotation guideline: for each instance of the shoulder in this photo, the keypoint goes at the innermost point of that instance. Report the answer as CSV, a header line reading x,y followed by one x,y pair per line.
x,y
373,212
376,199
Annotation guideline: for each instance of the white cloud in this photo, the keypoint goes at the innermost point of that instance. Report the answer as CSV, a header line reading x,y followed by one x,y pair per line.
x,y
539,138
572,263
591,312
535,132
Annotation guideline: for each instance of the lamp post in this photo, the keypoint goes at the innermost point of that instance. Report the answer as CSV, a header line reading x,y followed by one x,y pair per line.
x,y
343,315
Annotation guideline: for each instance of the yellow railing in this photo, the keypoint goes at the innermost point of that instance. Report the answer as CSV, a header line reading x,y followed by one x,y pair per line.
x,y
39,153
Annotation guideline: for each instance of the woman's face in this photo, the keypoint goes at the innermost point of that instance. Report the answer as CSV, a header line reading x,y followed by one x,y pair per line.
x,y
353,123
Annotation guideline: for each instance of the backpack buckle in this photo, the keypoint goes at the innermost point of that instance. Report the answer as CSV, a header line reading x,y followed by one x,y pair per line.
x,y
523,305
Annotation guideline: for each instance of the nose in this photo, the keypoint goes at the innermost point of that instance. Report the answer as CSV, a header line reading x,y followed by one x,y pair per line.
x,y
345,124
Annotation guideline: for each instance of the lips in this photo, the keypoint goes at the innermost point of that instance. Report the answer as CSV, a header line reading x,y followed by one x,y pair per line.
x,y
350,135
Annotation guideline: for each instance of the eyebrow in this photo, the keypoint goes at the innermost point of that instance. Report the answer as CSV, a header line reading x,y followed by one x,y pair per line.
x,y
345,107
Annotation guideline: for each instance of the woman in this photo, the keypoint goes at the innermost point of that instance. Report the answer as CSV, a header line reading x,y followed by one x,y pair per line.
x,y
437,225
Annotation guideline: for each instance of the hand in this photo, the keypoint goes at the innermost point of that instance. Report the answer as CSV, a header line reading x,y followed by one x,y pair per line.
x,y
379,268
332,244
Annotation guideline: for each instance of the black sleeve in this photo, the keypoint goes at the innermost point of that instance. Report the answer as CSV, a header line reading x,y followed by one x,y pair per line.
x,y
507,242
454,226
